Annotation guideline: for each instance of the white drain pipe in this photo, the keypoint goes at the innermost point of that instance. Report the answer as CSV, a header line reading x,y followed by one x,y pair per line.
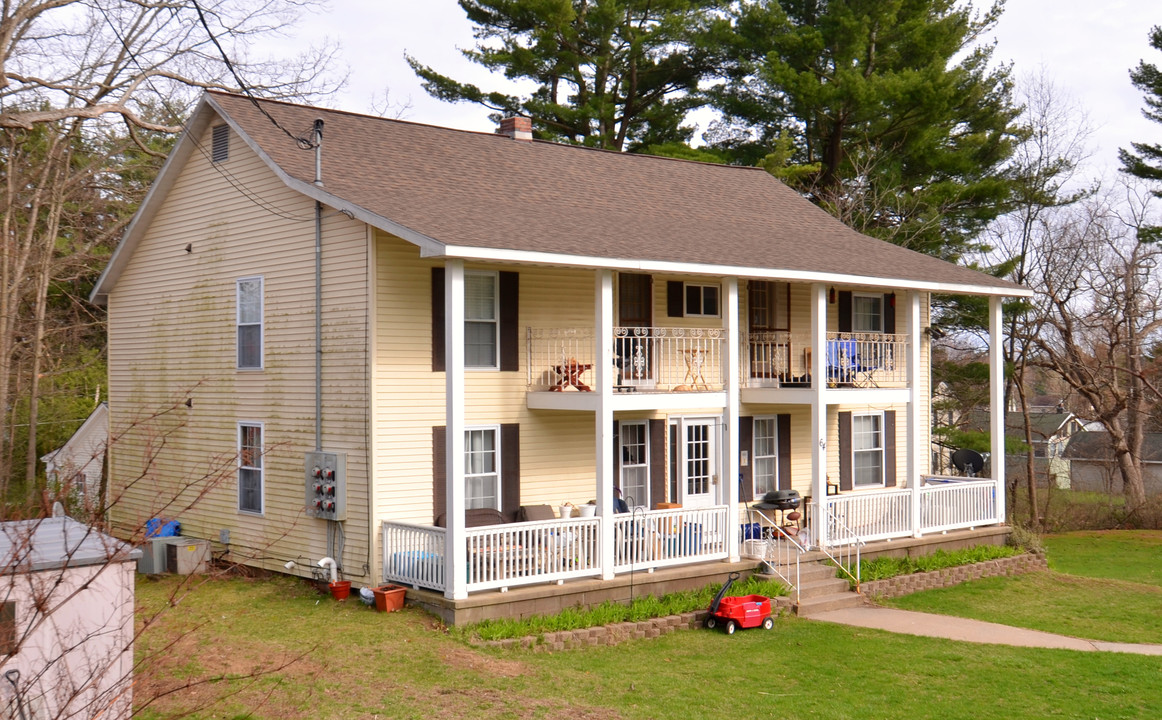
x,y
330,562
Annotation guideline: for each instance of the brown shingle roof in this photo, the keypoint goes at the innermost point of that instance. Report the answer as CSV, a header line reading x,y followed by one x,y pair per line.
x,y
480,190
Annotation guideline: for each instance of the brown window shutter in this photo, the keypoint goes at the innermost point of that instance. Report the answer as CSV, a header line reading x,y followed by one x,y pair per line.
x,y
510,471
844,320
890,313
437,319
675,299
439,473
746,443
509,321
889,448
845,451
616,454
783,431
657,461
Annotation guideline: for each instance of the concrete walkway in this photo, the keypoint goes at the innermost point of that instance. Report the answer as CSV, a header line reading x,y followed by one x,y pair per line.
x,y
976,631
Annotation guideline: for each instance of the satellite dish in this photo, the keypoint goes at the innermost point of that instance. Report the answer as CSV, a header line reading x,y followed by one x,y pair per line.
x,y
969,462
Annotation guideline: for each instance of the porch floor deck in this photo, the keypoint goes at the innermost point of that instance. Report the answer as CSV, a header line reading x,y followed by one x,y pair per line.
x,y
550,599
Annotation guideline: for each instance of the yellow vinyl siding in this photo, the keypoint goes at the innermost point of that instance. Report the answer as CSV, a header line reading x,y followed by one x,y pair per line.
x,y
172,334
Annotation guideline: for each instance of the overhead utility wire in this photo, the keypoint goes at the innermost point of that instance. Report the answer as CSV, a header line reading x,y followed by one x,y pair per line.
x,y
237,184
303,143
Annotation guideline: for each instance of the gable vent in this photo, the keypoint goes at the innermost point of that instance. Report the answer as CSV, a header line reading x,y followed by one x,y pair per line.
x,y
220,149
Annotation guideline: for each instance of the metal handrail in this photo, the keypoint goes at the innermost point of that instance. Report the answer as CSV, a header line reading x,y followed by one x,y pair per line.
x,y
851,540
778,548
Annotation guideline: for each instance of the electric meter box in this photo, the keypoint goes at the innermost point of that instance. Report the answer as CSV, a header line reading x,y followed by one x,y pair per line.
x,y
326,475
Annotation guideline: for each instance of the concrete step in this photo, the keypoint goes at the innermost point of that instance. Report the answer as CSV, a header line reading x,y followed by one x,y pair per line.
x,y
835,601
824,586
808,572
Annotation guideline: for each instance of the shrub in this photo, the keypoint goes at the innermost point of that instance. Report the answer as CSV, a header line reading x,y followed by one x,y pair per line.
x,y
882,568
608,613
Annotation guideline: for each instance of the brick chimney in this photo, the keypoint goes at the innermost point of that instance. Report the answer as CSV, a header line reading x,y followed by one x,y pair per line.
x,y
517,128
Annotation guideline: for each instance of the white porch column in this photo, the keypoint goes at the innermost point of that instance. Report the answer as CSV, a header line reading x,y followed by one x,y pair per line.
x,y
603,417
915,417
997,402
730,377
819,409
455,549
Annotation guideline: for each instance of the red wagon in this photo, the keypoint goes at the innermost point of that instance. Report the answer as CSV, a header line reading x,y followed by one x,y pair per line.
x,y
747,611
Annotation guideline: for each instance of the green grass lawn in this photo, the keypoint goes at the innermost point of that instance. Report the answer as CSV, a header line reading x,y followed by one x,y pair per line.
x,y
342,660
1105,585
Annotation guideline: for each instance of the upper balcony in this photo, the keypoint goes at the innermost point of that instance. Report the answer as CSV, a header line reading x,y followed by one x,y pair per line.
x,y
670,363
665,363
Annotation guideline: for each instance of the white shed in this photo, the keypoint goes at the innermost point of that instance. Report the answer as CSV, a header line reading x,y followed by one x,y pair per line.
x,y
66,621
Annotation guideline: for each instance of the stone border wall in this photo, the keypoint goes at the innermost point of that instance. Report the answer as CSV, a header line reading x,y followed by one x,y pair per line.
x,y
907,584
619,632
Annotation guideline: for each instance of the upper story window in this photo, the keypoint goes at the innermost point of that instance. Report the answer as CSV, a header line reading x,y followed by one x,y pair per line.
x,y
481,319
701,300
867,313
867,446
250,467
482,468
249,308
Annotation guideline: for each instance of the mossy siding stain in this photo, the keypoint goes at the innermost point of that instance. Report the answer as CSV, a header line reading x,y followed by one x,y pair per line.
x,y
172,334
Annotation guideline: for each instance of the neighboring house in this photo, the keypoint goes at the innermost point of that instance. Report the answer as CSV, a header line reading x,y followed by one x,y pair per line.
x,y
66,621
504,325
80,462
1091,464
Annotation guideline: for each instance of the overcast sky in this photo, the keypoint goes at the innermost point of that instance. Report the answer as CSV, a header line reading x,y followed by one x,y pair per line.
x,y
1087,48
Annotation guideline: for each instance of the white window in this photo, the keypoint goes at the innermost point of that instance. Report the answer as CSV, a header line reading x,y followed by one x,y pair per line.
x,y
249,301
482,468
250,467
635,464
701,300
481,319
867,313
867,450
766,456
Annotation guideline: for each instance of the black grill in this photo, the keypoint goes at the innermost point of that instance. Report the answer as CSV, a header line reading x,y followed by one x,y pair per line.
x,y
780,500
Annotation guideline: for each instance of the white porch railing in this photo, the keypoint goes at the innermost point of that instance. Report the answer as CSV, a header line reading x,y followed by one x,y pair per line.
x,y
867,359
945,503
501,556
659,538
413,555
951,505
645,358
533,552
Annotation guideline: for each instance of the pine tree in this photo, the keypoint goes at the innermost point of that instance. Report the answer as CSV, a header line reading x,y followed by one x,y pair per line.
x,y
1146,160
898,124
615,74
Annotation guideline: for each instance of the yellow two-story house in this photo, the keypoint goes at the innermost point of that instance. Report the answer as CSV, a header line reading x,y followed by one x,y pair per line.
x,y
449,359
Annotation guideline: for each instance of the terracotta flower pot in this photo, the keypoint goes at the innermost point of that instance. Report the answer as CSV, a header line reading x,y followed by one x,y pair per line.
x,y
389,598
340,589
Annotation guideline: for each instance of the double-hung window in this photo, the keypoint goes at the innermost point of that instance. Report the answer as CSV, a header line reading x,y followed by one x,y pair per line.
x,y
250,467
249,318
867,449
482,468
481,319
766,456
635,459
867,313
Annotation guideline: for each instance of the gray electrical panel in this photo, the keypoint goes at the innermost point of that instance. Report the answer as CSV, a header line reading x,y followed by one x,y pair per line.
x,y
326,475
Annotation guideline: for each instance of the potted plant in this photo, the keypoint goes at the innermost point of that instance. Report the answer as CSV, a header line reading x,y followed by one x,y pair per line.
x,y
340,589
389,598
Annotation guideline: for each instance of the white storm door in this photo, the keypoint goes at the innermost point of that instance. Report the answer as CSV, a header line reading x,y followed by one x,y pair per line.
x,y
698,461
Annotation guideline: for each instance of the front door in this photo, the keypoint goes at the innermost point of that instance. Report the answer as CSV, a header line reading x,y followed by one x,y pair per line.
x,y
635,316
698,462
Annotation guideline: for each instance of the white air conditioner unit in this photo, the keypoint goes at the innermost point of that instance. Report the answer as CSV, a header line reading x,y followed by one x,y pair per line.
x,y
186,556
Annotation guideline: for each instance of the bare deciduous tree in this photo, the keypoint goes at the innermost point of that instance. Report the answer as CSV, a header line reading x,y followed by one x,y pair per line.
x,y
1098,310
84,84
